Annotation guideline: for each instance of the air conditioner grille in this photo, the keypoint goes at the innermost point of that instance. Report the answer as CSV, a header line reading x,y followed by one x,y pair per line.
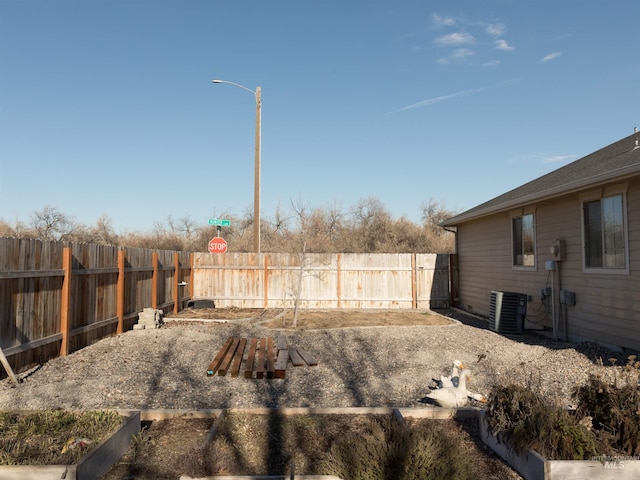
x,y
507,311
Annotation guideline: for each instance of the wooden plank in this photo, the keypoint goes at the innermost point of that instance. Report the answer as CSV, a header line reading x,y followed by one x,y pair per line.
x,y
308,358
281,343
213,366
25,347
11,275
296,359
103,457
261,358
248,366
8,368
270,360
237,358
280,367
120,291
224,366
65,301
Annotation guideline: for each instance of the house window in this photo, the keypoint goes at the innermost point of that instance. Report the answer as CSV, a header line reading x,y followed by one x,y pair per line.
x,y
523,241
604,233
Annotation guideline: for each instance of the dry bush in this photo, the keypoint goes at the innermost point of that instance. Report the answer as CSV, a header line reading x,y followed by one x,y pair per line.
x,y
389,450
614,409
357,447
605,422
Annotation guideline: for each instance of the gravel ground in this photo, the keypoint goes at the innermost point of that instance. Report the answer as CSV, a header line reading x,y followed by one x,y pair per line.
x,y
357,367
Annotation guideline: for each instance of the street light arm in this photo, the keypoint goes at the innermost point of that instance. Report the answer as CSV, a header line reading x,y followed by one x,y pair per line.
x,y
233,83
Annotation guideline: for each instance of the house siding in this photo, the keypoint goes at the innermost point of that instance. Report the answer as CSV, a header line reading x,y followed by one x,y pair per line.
x,y
607,306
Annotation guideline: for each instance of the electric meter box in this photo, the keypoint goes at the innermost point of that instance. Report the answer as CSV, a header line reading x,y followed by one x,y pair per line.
x,y
558,250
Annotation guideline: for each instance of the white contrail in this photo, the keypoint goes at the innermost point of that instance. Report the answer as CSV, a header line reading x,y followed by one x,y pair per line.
x,y
443,98
452,96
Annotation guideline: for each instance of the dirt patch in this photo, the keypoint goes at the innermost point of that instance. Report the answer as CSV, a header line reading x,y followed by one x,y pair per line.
x,y
316,319
158,451
255,444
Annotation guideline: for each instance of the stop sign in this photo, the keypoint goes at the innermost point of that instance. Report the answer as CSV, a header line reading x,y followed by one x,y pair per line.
x,y
217,245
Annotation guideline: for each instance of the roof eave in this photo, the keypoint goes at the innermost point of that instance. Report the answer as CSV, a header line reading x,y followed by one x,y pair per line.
x,y
566,189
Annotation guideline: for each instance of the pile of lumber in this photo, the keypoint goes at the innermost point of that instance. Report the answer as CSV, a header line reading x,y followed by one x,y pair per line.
x,y
261,358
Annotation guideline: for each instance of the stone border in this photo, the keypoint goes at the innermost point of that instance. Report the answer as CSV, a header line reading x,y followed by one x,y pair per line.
x,y
533,466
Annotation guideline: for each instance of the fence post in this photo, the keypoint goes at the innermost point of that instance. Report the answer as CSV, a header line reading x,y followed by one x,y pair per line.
x,y
120,292
453,280
176,278
265,281
339,279
191,275
414,286
154,280
65,301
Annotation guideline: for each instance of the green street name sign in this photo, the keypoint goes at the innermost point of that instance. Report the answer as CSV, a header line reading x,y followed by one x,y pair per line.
x,y
217,221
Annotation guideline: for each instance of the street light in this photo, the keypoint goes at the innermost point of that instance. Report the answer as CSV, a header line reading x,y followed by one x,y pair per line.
x,y
256,177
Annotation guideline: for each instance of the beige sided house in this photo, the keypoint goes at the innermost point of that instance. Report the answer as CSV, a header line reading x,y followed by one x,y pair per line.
x,y
561,252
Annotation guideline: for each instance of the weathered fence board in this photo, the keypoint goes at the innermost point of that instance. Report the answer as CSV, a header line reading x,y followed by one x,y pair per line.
x,y
49,307
322,281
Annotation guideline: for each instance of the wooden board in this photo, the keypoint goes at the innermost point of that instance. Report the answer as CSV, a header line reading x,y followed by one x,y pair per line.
x,y
268,356
213,366
270,360
280,368
237,358
7,367
251,356
224,366
261,358
296,359
281,343
308,358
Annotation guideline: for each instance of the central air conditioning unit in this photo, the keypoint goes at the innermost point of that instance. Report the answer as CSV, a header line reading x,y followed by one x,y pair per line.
x,y
507,311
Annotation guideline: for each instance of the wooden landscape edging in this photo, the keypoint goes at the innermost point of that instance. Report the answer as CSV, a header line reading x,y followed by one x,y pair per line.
x,y
260,355
533,466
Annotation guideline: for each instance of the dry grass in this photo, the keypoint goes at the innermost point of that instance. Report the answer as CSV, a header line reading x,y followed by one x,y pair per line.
x,y
318,319
372,447
52,437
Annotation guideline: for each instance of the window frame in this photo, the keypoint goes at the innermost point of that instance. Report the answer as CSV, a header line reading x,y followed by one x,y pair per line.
x,y
599,195
520,213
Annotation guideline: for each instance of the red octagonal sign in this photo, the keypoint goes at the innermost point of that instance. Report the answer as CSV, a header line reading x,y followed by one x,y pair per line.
x,y
217,245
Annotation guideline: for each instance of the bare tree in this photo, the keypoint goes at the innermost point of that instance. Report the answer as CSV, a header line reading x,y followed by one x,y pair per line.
x,y
372,223
18,230
440,239
366,227
51,224
434,212
103,232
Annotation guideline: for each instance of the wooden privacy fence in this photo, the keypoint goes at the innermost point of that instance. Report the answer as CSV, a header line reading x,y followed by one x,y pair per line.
x,y
56,299
322,281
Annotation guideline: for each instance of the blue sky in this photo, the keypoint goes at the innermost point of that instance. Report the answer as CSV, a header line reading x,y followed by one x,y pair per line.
x,y
107,107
